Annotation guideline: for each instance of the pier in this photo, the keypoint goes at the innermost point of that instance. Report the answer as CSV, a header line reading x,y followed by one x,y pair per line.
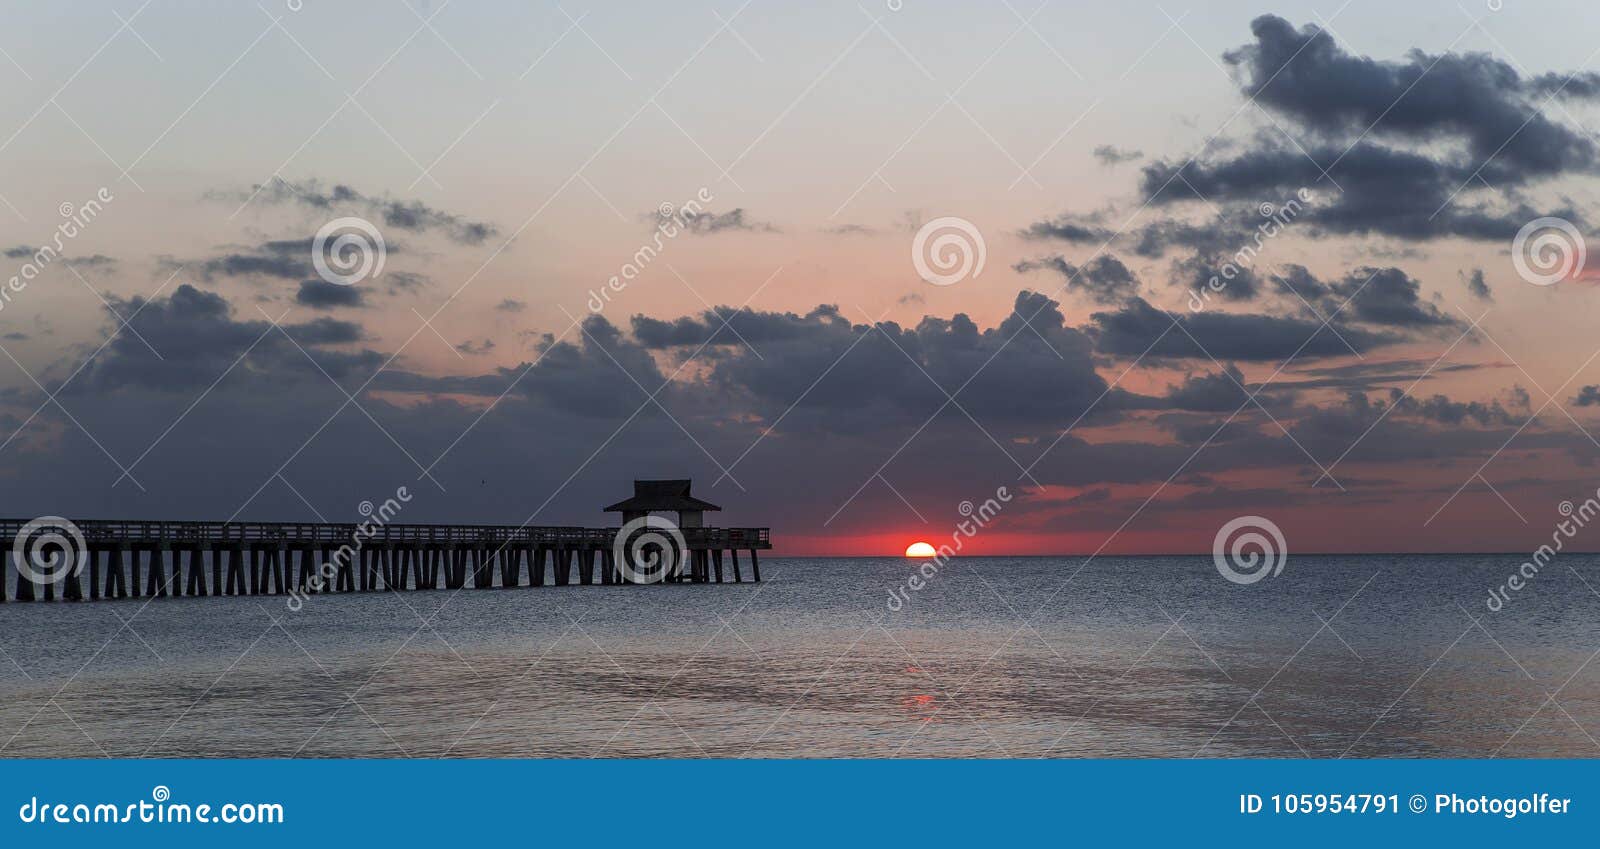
x,y
113,559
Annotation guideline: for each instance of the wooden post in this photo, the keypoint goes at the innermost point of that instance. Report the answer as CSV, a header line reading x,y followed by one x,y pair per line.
x,y
94,574
197,570
216,570
25,586
307,566
536,565
402,565
480,567
116,587
585,566
135,584
716,556
157,584
235,572
510,566
755,565
563,565
276,556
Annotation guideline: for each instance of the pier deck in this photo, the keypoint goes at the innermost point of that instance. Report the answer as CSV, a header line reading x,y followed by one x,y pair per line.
x,y
132,559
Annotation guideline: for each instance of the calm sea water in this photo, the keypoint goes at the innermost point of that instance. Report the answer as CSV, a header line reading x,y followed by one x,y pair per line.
x,y
1134,656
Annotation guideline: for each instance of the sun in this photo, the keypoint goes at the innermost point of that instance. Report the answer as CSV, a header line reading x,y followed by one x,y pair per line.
x,y
920,549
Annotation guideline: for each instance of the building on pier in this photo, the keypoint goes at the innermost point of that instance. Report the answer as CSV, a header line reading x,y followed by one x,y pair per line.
x,y
666,496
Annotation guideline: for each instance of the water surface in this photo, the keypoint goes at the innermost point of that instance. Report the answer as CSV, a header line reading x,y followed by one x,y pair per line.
x,y
996,657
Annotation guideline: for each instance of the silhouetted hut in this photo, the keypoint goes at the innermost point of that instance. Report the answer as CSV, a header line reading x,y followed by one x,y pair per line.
x,y
662,497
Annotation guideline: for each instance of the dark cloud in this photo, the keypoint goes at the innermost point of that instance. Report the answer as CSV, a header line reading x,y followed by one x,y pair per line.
x,y
581,420
18,252
1404,143
1104,279
322,295
1140,327
476,349
1384,297
1370,375
197,339
705,223
850,230
1477,286
411,215
287,259
1067,228
1588,396
511,305
1213,274
1441,409
1110,155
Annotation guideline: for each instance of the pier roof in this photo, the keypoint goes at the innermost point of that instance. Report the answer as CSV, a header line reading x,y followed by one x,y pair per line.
x,y
660,495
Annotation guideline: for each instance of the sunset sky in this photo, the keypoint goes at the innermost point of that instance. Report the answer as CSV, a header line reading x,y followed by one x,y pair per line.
x,y
1381,376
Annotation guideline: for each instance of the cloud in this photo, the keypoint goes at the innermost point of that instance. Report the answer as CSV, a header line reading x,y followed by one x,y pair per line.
x,y
1213,276
850,230
1588,396
322,295
412,215
1477,286
18,252
476,349
287,259
198,339
706,223
1385,297
511,305
1104,279
1110,155
581,417
1138,328
1068,228
1404,143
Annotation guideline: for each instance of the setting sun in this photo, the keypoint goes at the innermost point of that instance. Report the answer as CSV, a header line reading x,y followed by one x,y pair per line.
x,y
920,549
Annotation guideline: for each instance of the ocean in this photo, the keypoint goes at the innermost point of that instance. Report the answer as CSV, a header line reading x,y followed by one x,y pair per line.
x,y
1337,656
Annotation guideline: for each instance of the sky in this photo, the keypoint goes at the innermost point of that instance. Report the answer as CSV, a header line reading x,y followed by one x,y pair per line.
x,y
708,240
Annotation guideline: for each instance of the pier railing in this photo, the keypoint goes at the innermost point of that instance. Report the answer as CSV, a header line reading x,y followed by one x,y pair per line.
x,y
119,532
123,558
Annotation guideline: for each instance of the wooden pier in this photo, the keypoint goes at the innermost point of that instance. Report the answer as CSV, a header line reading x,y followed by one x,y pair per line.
x,y
134,559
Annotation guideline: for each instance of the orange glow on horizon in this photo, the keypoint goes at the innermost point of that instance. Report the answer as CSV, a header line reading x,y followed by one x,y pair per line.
x,y
920,549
